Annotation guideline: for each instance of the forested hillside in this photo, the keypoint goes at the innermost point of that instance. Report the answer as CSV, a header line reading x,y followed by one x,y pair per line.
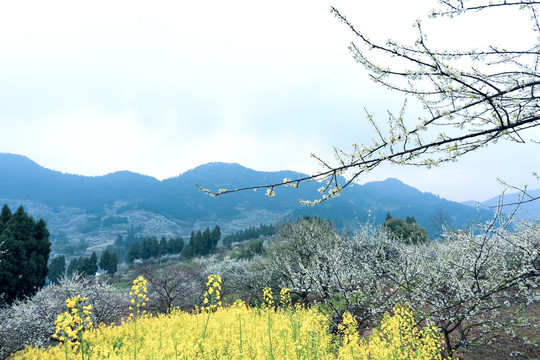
x,y
86,212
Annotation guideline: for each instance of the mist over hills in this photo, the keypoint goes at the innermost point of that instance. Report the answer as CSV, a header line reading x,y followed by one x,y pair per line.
x,y
80,208
527,210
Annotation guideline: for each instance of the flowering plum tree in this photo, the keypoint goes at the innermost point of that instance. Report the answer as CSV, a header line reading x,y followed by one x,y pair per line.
x,y
477,96
464,282
461,283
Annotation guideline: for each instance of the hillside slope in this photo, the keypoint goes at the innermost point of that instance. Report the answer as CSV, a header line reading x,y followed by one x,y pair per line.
x,y
96,209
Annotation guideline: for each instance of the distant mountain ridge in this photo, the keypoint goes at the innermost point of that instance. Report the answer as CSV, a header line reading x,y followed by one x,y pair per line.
x,y
527,210
174,206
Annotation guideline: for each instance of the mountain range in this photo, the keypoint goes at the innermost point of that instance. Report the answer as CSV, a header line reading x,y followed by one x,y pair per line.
x,y
96,209
527,209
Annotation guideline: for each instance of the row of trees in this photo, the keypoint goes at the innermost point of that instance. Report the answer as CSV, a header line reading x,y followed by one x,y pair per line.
x,y
200,243
150,247
87,266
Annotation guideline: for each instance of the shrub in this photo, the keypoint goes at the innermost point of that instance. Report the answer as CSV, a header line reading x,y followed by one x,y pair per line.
x,y
31,321
174,286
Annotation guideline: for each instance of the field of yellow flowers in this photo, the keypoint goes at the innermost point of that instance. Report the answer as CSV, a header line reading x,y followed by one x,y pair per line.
x,y
273,331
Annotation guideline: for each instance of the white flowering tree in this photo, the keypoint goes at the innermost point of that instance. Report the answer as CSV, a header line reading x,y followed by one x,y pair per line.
x,y
341,273
470,279
473,285
30,322
471,97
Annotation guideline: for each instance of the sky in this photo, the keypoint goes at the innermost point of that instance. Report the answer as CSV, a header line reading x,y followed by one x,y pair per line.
x,y
158,88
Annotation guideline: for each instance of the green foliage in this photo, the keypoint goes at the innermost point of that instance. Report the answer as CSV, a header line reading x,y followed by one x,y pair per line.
x,y
251,248
407,230
113,265
57,267
249,233
114,220
105,260
92,224
202,242
23,263
150,247
72,267
83,265
92,264
108,262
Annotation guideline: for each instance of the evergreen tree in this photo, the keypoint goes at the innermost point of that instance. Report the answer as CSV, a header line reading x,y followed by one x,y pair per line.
x,y
187,251
105,260
119,242
206,242
92,265
73,266
133,252
215,236
163,247
113,264
23,264
5,215
198,246
57,268
176,245
154,247
83,266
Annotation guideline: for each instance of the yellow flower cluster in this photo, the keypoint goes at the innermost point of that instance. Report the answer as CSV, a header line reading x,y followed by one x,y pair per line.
x,y
138,293
398,337
71,324
243,332
285,298
268,298
236,332
212,296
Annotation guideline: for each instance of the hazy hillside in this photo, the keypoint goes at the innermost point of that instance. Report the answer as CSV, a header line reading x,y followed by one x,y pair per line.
x,y
95,210
528,210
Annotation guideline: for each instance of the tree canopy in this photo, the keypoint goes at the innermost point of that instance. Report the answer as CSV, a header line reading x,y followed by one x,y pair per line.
x,y
406,230
57,268
26,248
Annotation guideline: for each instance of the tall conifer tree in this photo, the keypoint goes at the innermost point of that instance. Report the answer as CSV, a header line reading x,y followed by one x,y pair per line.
x,y
23,264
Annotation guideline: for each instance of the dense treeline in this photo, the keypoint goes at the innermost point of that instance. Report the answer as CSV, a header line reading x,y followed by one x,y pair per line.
x,y
114,220
250,233
83,265
150,247
200,243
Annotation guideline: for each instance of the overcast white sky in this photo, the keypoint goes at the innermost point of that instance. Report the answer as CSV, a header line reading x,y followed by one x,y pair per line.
x,y
160,87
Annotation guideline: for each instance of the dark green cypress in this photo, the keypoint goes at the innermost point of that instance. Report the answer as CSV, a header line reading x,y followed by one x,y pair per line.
x,y
113,264
105,260
57,267
26,249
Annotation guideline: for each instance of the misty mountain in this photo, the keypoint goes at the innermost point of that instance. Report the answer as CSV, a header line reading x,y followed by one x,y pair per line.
x,y
97,209
527,210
